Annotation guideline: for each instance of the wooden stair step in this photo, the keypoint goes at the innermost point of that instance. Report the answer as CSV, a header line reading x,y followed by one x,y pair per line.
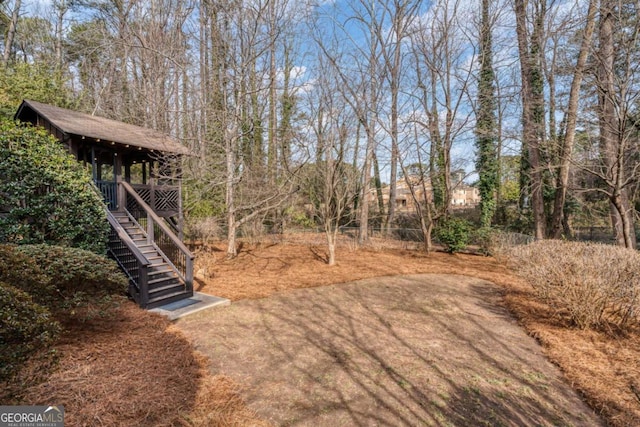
x,y
163,282
162,270
159,280
156,293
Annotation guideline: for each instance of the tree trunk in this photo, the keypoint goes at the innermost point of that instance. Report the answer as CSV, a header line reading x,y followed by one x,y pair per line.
x,y
62,8
11,32
232,251
331,245
363,234
566,150
532,106
377,183
486,135
272,148
612,132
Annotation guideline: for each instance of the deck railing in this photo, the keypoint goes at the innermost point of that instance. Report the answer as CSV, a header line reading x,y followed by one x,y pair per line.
x,y
161,198
108,189
174,252
130,259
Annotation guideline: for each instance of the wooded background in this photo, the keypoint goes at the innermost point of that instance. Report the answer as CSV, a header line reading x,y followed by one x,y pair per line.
x,y
308,112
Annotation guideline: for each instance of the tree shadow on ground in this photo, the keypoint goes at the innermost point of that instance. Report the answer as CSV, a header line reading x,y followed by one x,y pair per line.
x,y
390,351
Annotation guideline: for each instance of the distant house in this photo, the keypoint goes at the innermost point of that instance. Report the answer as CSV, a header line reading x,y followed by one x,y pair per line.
x,y
463,195
142,204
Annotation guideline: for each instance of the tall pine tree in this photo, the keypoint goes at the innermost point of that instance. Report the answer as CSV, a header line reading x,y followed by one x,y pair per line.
x,y
486,140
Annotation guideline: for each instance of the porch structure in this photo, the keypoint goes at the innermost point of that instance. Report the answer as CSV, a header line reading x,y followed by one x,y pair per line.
x,y
135,169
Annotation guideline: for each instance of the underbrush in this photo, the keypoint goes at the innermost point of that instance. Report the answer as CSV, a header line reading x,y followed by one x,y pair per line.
x,y
597,286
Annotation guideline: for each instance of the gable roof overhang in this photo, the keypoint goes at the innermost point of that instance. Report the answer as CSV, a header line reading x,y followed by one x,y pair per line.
x,y
74,124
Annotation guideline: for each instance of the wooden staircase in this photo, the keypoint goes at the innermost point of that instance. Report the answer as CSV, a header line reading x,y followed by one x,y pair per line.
x,y
165,286
158,264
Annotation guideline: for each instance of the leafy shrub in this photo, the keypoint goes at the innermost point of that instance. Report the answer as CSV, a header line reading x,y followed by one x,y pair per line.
x,y
76,273
21,271
484,237
38,81
595,284
300,218
45,194
25,328
453,233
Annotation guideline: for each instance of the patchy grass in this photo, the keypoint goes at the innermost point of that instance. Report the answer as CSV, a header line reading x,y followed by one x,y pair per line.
x,y
380,351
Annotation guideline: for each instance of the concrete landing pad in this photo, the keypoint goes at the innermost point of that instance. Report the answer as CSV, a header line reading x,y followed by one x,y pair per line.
x,y
187,306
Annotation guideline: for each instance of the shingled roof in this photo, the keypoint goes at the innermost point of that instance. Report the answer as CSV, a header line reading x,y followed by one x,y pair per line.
x,y
74,123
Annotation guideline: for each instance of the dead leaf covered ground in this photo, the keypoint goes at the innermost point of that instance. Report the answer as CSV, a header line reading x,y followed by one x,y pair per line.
x,y
444,358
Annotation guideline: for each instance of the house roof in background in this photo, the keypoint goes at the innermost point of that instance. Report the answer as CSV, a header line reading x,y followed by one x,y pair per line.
x,y
74,123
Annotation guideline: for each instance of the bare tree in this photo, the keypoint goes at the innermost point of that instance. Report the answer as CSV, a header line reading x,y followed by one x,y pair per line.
x,y
244,36
399,15
530,43
11,32
570,120
332,182
357,68
615,99
442,78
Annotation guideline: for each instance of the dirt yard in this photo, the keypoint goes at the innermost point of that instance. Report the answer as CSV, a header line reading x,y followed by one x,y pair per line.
x,y
403,350
603,368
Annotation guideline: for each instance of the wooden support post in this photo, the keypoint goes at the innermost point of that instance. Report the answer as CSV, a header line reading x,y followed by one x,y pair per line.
x,y
121,195
94,167
144,171
152,193
150,232
180,214
143,282
189,275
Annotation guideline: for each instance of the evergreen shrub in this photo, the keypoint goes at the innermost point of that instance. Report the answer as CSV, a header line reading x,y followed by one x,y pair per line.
x,y
76,273
25,328
46,196
454,233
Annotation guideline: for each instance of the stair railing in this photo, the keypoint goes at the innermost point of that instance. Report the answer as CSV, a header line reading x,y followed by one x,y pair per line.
x,y
175,253
135,265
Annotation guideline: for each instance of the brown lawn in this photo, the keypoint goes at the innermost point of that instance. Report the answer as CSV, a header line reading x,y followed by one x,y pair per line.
x,y
134,368
603,367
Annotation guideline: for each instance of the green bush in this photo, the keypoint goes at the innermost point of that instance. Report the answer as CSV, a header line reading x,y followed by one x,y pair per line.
x,y
300,218
25,328
21,271
77,273
484,237
453,233
596,285
45,194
